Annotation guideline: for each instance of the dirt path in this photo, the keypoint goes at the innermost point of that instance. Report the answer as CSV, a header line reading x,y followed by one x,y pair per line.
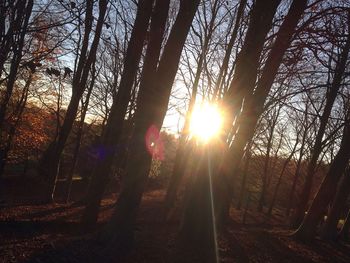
x,y
51,233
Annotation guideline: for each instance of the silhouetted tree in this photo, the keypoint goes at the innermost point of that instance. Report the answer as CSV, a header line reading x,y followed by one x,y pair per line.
x,y
182,153
151,107
330,229
253,105
50,160
330,98
15,17
115,121
327,190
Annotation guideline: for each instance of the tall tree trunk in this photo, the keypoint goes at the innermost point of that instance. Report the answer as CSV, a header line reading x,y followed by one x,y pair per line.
x,y
254,104
4,150
152,105
248,157
344,232
197,230
181,155
308,227
113,130
181,160
267,165
224,66
317,149
247,62
51,158
21,13
84,106
329,231
297,172
261,201
284,168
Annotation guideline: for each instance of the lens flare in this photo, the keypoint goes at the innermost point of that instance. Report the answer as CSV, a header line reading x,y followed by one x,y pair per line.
x,y
206,122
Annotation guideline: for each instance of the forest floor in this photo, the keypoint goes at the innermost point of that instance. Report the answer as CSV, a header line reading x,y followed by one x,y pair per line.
x,y
51,233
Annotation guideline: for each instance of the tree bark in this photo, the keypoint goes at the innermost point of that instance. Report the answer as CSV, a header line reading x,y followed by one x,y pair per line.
x,y
181,160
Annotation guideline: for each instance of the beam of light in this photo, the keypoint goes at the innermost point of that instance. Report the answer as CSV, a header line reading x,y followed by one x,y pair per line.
x,y
212,208
206,122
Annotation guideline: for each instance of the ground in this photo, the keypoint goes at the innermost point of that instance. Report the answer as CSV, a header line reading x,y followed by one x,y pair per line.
x,y
51,233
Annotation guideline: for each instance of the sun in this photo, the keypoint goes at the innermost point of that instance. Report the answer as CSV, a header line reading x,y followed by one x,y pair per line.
x,y
206,122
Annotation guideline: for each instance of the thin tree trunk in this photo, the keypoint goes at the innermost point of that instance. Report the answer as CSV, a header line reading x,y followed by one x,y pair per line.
x,y
13,126
297,173
308,227
113,130
22,13
344,232
264,185
50,160
247,62
330,230
181,156
224,66
261,201
330,98
244,176
152,105
79,136
275,163
254,104
197,230
181,160
285,165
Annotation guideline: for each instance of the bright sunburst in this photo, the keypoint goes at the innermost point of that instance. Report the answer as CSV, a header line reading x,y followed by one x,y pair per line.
x,y
206,122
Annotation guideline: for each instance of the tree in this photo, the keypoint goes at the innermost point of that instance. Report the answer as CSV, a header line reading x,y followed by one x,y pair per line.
x,y
50,160
115,121
79,135
253,106
308,227
246,66
151,106
305,125
225,63
329,230
182,152
330,98
272,123
197,229
15,17
344,232
284,168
